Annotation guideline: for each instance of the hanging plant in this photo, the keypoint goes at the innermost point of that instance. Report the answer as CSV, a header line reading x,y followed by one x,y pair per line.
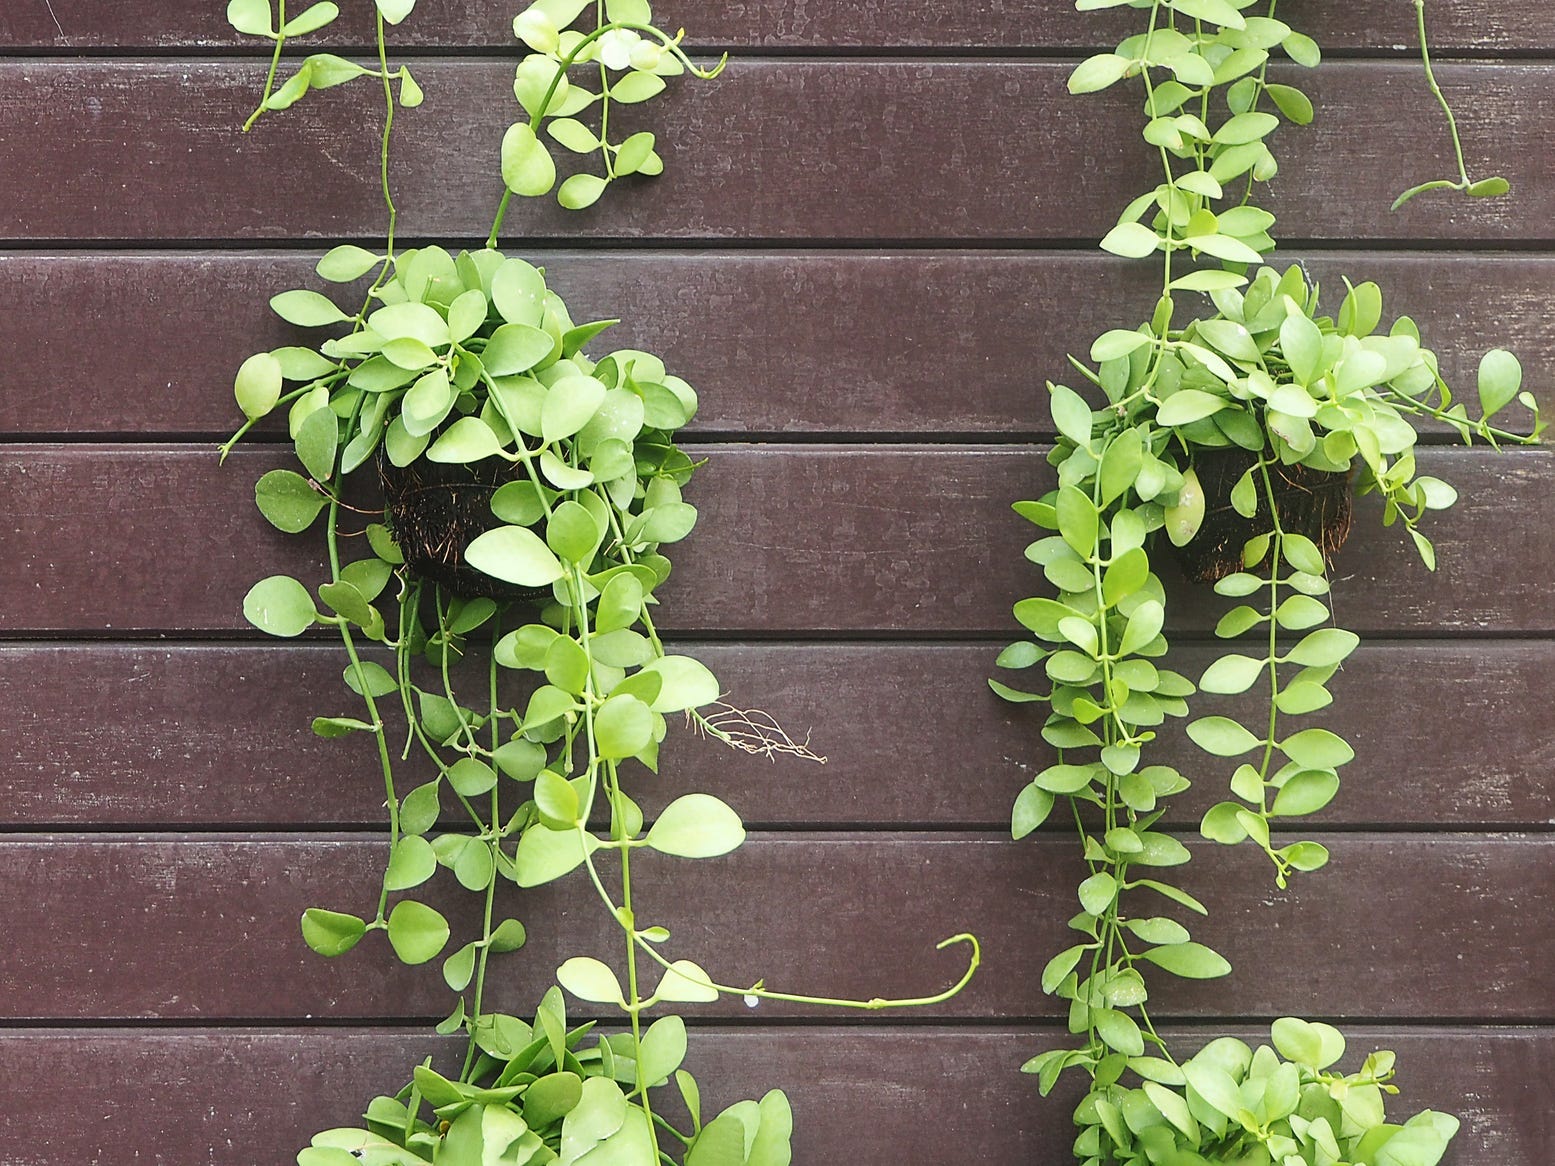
x,y
530,492
1238,434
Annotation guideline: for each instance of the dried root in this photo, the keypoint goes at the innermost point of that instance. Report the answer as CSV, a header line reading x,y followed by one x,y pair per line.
x,y
752,731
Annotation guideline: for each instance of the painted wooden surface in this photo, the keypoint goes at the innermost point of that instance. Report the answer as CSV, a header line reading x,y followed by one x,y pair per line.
x,y
853,1089
213,736
923,345
736,170
792,539
871,249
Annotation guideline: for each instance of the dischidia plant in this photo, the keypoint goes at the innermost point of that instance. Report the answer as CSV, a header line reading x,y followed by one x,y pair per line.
x,y
530,490
1236,434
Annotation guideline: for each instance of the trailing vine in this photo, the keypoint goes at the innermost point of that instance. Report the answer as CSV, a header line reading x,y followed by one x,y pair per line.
x,y
1237,433
507,594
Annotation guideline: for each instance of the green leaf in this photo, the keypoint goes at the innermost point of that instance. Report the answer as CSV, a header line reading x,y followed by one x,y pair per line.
x,y
280,606
419,808
544,855
1098,892
1186,406
1305,793
394,11
411,863
346,263
686,684
515,555
1245,128
1216,1086
634,153
1317,749
551,1098
1061,965
471,777
516,348
556,799
1500,378
1119,1031
696,826
1131,241
1324,648
257,386
416,932
570,404
662,1051
316,443
581,191
306,309
1071,414
1292,102
1303,50
331,933
1098,72
1488,188
1231,674
1316,1046
573,532
1222,737
369,678
1032,807
288,501
527,166
1191,961
623,727
251,17
589,979
636,87
685,982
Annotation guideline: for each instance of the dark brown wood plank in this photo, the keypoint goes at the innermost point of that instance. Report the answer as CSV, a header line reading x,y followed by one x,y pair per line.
x,y
896,539
113,927
786,24
862,1094
935,341
892,150
218,736
875,1096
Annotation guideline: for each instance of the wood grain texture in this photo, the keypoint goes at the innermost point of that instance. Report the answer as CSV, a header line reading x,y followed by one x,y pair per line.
x,y
954,1092
183,928
849,539
935,343
218,736
892,150
66,25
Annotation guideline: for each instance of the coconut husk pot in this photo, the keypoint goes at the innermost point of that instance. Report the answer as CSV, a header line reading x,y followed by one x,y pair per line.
x,y
1316,503
436,509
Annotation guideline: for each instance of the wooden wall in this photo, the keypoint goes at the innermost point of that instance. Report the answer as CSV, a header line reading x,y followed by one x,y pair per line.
x,y
872,245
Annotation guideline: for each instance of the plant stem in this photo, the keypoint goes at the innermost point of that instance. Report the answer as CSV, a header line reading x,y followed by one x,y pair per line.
x,y
275,61
1430,80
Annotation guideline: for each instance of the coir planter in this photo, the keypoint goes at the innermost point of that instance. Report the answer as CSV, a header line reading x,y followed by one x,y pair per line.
x,y
435,509
1315,503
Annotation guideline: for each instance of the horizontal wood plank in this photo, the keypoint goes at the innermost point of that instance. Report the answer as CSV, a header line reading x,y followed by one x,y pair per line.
x,y
874,1097
917,342
263,1093
218,736
777,24
792,538
891,150
93,922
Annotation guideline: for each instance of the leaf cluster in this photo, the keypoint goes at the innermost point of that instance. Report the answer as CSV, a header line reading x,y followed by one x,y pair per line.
x,y
627,58
537,1094
1285,394
1282,1104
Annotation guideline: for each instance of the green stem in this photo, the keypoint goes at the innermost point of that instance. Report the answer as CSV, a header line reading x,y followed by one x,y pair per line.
x,y
1430,80
672,44
275,61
